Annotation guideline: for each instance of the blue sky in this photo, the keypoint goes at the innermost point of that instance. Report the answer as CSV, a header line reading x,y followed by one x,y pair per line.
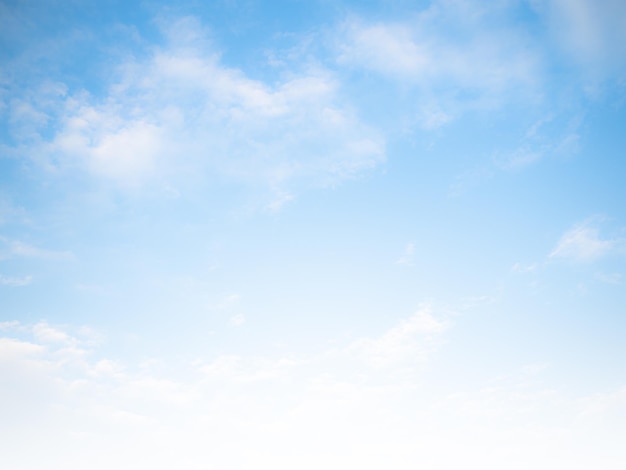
x,y
249,234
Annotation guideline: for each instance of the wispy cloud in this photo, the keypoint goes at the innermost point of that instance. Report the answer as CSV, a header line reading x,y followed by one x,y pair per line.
x,y
181,112
9,212
226,302
15,281
238,320
610,278
18,248
524,267
477,66
408,256
549,136
583,243
412,340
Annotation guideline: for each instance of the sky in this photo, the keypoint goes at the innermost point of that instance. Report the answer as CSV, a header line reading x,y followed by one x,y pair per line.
x,y
245,234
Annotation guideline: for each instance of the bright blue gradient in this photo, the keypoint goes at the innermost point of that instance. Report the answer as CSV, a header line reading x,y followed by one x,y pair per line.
x,y
410,212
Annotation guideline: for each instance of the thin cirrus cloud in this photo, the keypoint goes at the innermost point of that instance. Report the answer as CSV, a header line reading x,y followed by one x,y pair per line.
x,y
10,248
478,66
458,57
583,243
547,137
404,52
14,281
181,111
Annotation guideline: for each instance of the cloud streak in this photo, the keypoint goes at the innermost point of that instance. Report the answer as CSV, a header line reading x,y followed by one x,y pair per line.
x,y
583,244
17,248
15,281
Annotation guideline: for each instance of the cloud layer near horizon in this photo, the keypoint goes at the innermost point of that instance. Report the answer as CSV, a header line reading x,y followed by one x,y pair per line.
x,y
233,411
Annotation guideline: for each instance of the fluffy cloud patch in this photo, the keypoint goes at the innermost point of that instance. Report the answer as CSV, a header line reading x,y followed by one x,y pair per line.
x,y
180,113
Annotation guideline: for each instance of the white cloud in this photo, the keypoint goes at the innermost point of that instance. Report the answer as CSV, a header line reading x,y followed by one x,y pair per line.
x,y
607,409
47,334
240,369
129,152
408,255
11,348
21,249
431,117
241,411
237,320
548,136
455,60
180,113
226,302
520,157
610,278
470,179
411,341
280,199
524,268
582,243
387,48
10,212
6,325
15,281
